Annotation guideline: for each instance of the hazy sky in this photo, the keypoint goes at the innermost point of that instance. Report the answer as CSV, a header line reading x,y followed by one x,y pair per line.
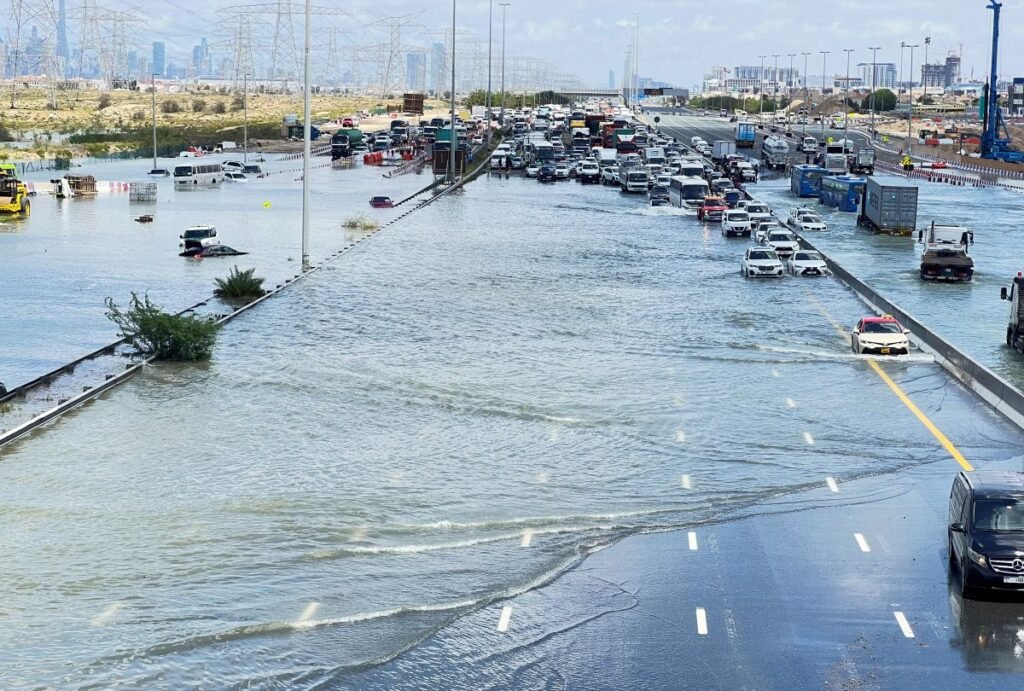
x,y
680,39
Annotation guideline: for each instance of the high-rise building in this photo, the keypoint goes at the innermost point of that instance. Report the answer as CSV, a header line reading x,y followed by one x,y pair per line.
x,y
884,77
438,62
611,80
934,76
133,65
415,71
952,75
159,58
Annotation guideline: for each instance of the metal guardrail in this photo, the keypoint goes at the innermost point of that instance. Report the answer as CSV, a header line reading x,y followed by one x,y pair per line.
x,y
993,389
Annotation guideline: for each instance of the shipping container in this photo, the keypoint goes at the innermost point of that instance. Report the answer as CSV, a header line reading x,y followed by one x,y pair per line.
x,y
889,208
805,180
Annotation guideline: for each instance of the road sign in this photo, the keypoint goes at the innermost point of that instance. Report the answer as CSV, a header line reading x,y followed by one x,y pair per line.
x,y
657,119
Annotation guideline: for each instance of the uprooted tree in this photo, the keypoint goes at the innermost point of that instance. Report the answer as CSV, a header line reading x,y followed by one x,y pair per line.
x,y
151,331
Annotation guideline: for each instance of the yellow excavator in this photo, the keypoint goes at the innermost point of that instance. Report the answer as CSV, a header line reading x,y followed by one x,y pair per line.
x,y
13,193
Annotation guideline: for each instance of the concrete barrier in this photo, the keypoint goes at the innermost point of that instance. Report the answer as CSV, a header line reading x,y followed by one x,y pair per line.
x,y
989,386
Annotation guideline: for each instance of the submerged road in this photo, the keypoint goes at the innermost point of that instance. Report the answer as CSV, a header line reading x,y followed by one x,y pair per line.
x,y
571,450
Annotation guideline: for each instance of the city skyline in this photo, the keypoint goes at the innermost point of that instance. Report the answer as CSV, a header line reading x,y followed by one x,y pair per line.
x,y
677,41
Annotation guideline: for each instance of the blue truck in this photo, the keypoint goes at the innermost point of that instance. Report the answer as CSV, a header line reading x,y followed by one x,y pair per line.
x,y
745,135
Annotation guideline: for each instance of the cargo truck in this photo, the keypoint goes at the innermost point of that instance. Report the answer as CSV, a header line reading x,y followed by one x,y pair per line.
x,y
1015,329
862,161
745,135
721,150
945,254
889,208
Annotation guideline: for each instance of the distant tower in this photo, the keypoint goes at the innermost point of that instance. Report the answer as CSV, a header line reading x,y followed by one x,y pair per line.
x,y
611,80
63,53
159,58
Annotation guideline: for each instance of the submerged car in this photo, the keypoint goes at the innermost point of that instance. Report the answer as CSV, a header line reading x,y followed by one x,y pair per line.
x,y
761,261
782,241
880,336
547,173
807,263
199,236
532,170
381,203
211,251
985,530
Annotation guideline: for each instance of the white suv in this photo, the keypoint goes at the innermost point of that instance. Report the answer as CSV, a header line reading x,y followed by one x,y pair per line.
x,y
761,261
735,223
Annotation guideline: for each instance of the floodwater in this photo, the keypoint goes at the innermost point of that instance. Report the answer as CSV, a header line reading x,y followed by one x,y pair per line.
x,y
59,265
970,315
456,412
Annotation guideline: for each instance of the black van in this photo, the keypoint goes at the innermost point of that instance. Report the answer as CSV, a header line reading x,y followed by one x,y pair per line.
x,y
986,530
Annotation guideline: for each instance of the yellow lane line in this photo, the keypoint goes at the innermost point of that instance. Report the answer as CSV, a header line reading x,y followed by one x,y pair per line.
x,y
929,425
946,443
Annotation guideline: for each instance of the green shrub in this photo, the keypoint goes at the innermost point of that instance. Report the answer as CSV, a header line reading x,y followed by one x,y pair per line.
x,y
237,103
151,331
170,107
239,285
198,105
219,108
104,102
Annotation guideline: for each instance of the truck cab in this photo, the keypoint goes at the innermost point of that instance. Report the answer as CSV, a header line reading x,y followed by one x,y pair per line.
x,y
944,256
1015,329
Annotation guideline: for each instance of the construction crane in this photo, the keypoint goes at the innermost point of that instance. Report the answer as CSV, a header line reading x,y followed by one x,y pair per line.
x,y
993,146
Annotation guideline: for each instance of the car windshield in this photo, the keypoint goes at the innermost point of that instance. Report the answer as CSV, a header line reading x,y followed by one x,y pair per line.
x,y
757,208
739,216
780,237
998,515
809,218
762,254
808,256
197,233
881,328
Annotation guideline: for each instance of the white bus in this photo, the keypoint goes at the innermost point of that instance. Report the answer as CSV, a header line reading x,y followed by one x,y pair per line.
x,y
691,169
198,174
688,192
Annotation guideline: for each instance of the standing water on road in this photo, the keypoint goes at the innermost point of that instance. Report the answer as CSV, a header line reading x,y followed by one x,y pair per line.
x,y
455,412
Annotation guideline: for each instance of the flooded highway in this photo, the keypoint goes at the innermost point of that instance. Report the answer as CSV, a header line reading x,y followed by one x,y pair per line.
x,y
455,414
970,315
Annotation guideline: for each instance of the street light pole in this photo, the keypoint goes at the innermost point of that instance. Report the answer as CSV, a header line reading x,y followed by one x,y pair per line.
x,y
760,89
927,42
453,140
501,119
874,71
903,45
245,118
154,122
307,139
821,111
490,35
846,98
807,94
910,101
775,87
789,87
